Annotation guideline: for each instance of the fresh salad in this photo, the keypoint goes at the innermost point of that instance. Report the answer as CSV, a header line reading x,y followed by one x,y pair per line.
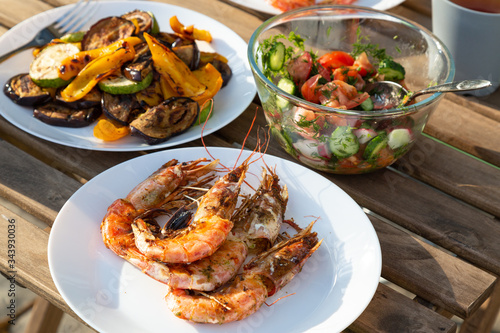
x,y
333,141
128,75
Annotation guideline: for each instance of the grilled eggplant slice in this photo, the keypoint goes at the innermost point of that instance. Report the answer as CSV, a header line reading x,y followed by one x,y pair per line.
x,y
144,20
141,66
224,70
91,99
23,91
189,54
56,114
121,108
172,117
107,31
168,39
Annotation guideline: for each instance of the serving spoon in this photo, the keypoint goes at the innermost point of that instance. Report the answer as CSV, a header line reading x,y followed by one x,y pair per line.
x,y
388,94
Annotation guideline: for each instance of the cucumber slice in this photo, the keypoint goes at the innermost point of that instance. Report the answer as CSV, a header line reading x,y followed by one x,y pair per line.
x,y
392,70
119,84
343,143
276,58
288,86
43,69
375,146
398,138
367,104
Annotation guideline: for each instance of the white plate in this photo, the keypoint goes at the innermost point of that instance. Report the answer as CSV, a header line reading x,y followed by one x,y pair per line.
x,y
229,103
111,295
265,7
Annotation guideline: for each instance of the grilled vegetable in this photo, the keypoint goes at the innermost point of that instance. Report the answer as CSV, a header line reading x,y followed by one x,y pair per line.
x,y
211,78
178,75
189,54
168,39
189,32
95,71
118,84
172,117
106,32
107,130
121,108
92,99
143,21
152,95
23,91
73,37
141,65
56,114
71,66
44,68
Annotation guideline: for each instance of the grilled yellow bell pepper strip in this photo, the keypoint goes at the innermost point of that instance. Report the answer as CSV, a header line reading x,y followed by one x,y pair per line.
x,y
166,89
95,71
206,57
72,65
152,95
209,76
189,32
107,130
174,70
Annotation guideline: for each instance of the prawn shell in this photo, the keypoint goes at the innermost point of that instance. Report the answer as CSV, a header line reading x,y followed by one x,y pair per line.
x,y
282,262
243,297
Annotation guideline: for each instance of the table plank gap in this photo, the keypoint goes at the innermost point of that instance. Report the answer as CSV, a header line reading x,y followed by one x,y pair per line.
x,y
390,312
426,271
32,185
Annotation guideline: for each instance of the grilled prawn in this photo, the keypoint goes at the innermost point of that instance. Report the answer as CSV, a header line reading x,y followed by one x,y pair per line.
x,y
258,220
207,231
262,277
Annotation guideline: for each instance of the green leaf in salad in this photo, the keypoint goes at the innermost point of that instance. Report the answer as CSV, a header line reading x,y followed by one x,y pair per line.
x,y
363,44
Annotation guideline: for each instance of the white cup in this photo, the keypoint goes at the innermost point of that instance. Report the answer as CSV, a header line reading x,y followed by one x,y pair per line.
x,y
473,38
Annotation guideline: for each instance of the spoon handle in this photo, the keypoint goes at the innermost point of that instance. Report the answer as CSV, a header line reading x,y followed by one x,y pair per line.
x,y
465,85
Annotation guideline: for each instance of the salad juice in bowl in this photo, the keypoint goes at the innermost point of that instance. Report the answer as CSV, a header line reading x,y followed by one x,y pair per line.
x,y
313,68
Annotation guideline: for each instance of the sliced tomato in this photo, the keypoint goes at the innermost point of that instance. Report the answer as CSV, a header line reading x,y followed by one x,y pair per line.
x,y
310,90
336,59
300,68
349,75
325,73
363,66
339,94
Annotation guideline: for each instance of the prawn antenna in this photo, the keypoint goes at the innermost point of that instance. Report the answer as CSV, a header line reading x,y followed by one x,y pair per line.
x,y
279,299
215,299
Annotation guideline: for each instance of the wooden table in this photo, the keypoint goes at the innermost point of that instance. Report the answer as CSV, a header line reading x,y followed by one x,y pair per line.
x,y
435,211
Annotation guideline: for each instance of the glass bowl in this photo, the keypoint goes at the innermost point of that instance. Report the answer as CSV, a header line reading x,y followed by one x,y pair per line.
x,y
310,132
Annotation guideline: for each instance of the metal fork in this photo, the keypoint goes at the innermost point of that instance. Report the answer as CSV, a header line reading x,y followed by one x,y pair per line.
x,y
71,21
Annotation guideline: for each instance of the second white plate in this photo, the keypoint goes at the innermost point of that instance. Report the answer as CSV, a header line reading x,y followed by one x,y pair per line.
x,y
265,7
111,295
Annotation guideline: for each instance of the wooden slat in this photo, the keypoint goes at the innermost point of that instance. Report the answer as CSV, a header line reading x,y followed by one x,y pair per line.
x,y
15,11
35,187
45,317
484,319
454,173
31,263
467,130
430,273
391,312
